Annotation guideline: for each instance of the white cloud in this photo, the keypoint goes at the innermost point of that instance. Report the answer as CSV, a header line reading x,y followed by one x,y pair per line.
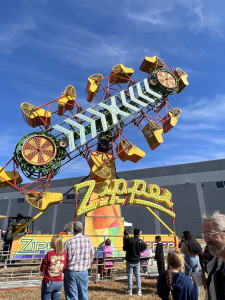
x,y
206,18
205,109
13,35
146,19
186,127
219,155
218,140
195,15
8,143
38,1
86,49
182,159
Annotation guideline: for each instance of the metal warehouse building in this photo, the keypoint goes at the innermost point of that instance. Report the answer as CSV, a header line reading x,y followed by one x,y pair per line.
x,y
196,188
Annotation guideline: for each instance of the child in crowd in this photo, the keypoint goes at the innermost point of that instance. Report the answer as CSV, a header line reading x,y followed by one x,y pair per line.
x,y
144,263
173,284
126,236
107,252
52,268
159,255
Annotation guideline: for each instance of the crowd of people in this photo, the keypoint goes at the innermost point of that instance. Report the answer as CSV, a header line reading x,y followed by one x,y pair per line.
x,y
74,260
7,237
175,283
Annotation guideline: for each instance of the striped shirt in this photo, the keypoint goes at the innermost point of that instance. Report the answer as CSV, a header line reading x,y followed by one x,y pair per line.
x,y
78,249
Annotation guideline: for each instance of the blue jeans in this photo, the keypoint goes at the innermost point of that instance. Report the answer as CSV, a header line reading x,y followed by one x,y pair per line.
x,y
51,290
136,269
76,285
193,263
144,268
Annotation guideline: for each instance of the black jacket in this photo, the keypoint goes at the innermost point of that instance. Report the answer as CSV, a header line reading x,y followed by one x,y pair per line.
x,y
219,282
125,238
8,237
133,247
159,254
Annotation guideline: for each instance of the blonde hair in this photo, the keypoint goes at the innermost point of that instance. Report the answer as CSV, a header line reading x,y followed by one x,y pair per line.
x,y
174,261
57,240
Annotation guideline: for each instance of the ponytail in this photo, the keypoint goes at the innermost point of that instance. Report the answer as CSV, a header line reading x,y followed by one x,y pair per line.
x,y
169,282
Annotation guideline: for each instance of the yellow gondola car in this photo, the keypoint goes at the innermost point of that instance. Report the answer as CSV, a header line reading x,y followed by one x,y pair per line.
x,y
128,151
182,79
122,75
16,226
67,102
42,201
170,120
151,64
93,84
34,116
153,134
9,176
99,173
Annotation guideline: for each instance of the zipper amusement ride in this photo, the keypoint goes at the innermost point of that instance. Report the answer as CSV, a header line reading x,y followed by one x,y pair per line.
x,y
97,134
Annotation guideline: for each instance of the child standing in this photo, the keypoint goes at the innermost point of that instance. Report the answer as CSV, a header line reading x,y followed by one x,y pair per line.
x,y
159,255
52,268
173,284
144,263
107,252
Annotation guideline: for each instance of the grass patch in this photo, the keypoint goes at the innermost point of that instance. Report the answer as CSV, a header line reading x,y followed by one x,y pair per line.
x,y
103,291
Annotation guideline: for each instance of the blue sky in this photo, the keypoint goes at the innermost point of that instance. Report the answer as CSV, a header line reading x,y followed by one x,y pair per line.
x,y
47,45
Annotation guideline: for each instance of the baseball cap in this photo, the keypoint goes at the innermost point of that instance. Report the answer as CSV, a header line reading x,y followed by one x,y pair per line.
x,y
78,226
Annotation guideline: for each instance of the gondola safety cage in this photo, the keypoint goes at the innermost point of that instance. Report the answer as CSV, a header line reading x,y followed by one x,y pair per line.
x,y
153,134
128,151
99,171
170,120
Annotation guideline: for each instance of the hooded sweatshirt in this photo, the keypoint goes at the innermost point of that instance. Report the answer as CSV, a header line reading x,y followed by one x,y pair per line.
x,y
107,252
133,247
183,288
145,253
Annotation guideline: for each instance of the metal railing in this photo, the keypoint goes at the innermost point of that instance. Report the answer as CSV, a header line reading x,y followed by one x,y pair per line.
x,y
18,275
7,260
98,270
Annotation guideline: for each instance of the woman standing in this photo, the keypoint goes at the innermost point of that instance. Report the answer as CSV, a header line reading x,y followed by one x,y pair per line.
x,y
191,249
52,268
173,284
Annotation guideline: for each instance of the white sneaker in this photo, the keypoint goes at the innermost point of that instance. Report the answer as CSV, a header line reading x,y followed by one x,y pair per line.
x,y
128,292
139,293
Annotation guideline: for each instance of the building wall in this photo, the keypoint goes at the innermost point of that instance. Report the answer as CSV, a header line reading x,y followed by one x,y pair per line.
x,y
196,188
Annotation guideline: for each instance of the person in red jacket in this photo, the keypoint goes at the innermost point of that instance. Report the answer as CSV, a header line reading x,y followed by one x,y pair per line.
x,y
52,268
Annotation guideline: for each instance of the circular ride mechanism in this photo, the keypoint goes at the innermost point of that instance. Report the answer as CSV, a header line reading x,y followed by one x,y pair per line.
x,y
38,153
39,150
164,81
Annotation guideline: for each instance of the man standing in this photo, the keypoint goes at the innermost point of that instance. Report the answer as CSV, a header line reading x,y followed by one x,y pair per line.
x,y
80,254
133,247
213,232
8,239
159,255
